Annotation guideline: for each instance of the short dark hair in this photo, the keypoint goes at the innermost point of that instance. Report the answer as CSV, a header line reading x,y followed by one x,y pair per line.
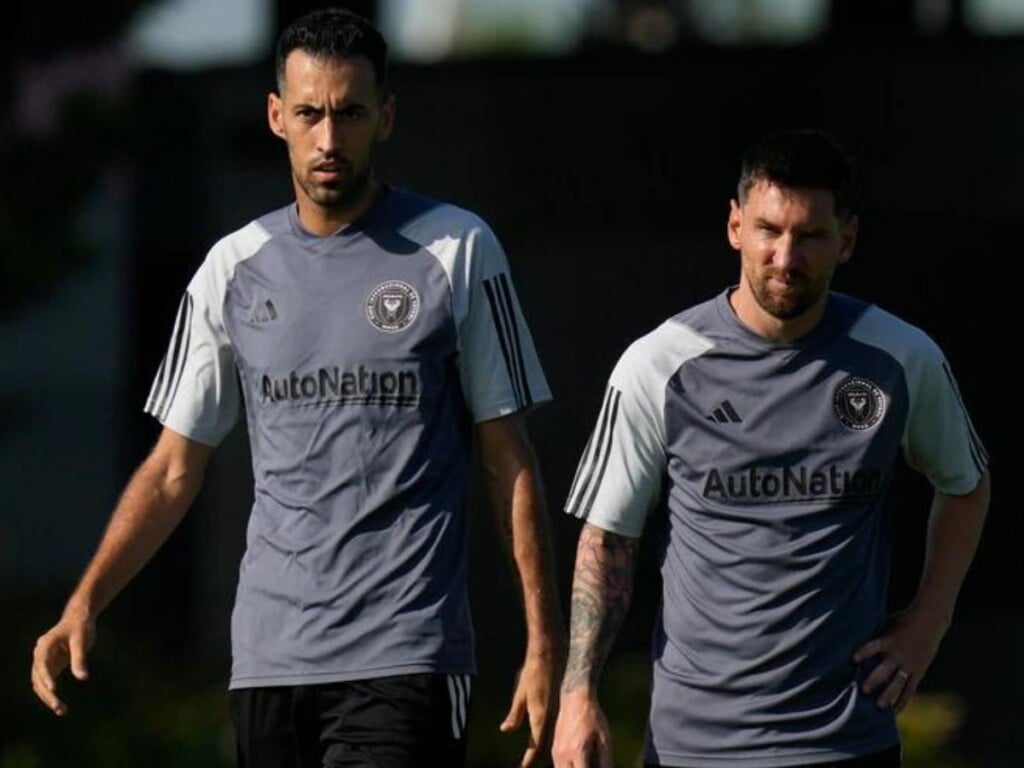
x,y
334,33
801,159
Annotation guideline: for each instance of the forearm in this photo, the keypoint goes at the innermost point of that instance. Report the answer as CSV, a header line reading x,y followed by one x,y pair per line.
x,y
151,506
521,519
954,530
601,592
513,482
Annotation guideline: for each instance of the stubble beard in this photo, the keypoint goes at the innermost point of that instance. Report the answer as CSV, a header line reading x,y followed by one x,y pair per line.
x,y
338,195
788,304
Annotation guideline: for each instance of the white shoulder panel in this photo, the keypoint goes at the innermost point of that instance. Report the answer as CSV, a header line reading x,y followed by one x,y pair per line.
x,y
620,473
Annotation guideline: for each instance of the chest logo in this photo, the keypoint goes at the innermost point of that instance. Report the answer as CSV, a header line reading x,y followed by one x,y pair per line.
x,y
859,403
264,312
392,306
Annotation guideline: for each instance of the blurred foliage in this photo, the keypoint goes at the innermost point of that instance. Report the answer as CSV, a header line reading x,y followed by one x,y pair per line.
x,y
929,726
142,706
137,708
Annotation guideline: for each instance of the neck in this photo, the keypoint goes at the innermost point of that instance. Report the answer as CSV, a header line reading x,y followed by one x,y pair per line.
x,y
324,221
784,331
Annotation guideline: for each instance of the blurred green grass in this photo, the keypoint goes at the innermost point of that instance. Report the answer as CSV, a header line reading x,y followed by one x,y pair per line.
x,y
139,708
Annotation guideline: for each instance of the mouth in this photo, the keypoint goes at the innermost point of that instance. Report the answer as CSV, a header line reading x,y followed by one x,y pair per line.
x,y
786,279
328,172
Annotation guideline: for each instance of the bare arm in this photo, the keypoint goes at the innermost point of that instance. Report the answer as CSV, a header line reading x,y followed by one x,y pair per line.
x,y
910,641
601,592
513,482
151,506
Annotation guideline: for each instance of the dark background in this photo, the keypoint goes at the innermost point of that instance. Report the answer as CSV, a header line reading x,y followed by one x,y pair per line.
x,y
607,175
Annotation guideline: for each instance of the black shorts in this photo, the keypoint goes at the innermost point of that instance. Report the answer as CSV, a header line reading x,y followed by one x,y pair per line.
x,y
386,722
887,758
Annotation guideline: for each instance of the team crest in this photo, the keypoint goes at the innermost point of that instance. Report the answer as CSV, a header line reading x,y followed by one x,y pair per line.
x,y
859,403
392,306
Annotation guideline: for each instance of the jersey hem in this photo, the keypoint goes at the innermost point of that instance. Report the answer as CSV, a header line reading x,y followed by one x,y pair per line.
x,y
606,525
509,407
342,676
956,489
185,431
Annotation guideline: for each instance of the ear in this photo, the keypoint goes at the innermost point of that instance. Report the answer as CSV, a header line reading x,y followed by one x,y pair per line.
x,y
275,115
848,238
734,224
387,118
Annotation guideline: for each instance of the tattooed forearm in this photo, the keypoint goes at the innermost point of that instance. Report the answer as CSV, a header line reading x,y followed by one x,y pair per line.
x,y
601,591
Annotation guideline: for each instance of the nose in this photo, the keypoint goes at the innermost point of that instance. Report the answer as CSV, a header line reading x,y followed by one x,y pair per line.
x,y
328,138
786,252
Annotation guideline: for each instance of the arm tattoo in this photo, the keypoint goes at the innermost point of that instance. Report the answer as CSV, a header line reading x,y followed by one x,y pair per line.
x,y
601,591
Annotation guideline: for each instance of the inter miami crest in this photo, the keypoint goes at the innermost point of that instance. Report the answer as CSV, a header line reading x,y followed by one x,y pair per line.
x,y
392,306
859,403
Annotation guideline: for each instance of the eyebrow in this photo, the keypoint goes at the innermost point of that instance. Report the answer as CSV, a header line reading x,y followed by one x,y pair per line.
x,y
343,105
760,221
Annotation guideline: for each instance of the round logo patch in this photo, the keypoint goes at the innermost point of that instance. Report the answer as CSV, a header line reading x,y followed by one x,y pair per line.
x,y
392,306
859,404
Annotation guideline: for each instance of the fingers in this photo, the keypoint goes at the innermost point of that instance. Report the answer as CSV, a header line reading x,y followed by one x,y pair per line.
x,y
78,666
539,737
897,685
869,649
894,689
880,676
48,660
910,683
894,683
533,757
514,716
538,752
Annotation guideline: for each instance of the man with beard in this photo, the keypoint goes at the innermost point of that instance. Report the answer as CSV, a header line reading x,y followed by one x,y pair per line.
x,y
756,434
370,334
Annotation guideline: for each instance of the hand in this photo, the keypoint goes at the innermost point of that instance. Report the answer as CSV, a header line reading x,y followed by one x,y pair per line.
x,y
535,696
907,647
582,737
67,642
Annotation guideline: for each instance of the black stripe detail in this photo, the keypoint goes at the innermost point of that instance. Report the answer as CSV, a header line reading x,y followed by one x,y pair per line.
x,y
496,315
603,435
720,417
978,452
158,384
506,293
731,412
184,355
586,458
173,353
607,454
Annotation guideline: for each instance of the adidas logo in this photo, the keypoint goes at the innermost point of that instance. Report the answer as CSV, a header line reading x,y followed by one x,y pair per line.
x,y
264,312
724,413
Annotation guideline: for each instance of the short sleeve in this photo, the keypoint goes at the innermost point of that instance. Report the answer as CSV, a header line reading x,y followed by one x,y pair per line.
x,y
940,440
498,363
619,477
195,391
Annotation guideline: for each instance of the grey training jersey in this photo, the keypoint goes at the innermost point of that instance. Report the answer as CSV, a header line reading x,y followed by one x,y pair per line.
x,y
762,467
363,360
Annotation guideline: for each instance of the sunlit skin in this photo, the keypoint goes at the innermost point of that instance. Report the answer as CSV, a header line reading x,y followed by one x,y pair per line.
x,y
790,243
331,114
